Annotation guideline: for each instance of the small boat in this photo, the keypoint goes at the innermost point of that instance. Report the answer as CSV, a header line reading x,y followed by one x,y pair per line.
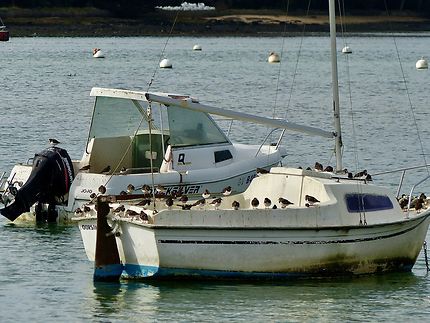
x,y
288,223
273,58
181,148
4,32
197,47
422,64
97,53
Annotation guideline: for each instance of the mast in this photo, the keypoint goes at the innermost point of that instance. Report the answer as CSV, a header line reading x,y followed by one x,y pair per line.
x,y
335,86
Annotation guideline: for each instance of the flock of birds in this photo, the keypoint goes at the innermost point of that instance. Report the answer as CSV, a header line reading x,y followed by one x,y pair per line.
x,y
417,202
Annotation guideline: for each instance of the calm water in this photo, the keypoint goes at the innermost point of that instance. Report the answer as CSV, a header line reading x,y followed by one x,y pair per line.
x,y
44,274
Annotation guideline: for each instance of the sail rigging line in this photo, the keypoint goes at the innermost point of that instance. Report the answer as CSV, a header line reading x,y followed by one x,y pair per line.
x,y
162,51
294,73
281,60
407,90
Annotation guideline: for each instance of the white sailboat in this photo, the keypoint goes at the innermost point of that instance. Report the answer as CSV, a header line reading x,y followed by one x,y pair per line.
x,y
287,223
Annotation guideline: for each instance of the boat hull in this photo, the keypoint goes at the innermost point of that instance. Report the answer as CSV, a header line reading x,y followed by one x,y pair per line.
x,y
265,253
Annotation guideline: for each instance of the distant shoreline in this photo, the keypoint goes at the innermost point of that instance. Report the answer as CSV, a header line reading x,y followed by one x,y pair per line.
x,y
96,23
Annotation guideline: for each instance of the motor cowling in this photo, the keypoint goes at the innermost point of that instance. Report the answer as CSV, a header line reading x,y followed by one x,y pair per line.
x,y
50,179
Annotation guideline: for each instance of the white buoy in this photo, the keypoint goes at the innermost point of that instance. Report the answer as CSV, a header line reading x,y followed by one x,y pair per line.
x,y
422,64
346,50
165,63
97,53
197,47
273,58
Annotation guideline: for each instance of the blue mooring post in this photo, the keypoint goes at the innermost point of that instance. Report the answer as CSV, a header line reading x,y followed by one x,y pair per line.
x,y
107,266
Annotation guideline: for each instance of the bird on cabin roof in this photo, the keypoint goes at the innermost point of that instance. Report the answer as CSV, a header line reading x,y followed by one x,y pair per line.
x,y
329,169
86,167
206,194
169,202
130,188
102,189
105,170
310,200
235,205
255,203
318,167
226,191
216,203
267,202
284,202
53,142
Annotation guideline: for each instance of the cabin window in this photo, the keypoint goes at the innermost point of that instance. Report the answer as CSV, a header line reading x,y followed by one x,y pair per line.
x,y
222,155
367,202
188,128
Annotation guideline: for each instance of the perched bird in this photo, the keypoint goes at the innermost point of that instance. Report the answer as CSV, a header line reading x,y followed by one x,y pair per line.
x,y
200,203
123,193
267,202
318,167
143,216
216,203
226,191
160,189
93,196
123,170
308,168
130,188
255,203
53,142
186,206
262,171
102,189
146,189
284,202
78,212
274,207
120,208
329,169
131,212
206,194
235,205
361,174
86,167
169,202
310,200
105,170
183,199
87,209
144,202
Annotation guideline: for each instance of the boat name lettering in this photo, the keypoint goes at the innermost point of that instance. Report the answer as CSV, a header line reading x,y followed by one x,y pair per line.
x,y
86,191
89,226
190,189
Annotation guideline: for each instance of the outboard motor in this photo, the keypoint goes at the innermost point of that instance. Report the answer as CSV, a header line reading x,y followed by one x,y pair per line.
x,y
50,179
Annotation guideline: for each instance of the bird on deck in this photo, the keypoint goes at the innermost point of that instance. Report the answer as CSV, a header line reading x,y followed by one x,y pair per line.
x,y
105,170
206,194
417,203
160,189
226,191
361,174
93,196
144,202
318,167
310,200
87,209
119,209
262,171
143,216
186,206
146,189
102,189
78,212
255,203
216,203
267,202
84,168
53,142
131,213
274,207
284,202
130,188
183,199
235,205
329,169
200,203
123,170
169,203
